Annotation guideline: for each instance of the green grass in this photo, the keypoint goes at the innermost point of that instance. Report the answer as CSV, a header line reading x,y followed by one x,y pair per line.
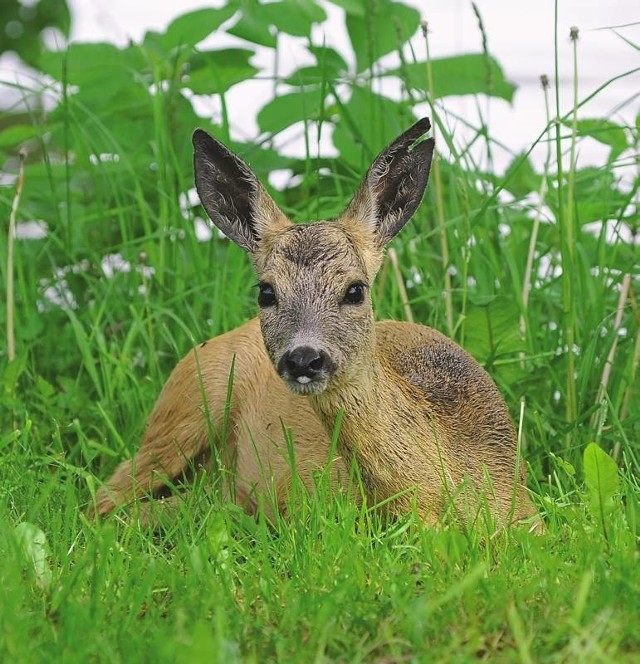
x,y
332,582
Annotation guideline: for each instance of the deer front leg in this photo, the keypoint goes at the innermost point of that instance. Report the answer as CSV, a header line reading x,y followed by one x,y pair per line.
x,y
187,415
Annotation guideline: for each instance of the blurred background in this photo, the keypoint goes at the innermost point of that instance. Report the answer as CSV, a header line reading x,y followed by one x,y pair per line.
x,y
519,35
525,250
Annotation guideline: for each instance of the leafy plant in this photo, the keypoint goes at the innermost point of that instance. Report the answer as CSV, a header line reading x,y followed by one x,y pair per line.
x,y
126,275
603,483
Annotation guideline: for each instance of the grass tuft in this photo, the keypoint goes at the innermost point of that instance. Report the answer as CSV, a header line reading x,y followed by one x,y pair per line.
x,y
540,282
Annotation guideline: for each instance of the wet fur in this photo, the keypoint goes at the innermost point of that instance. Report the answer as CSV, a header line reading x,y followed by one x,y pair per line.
x,y
425,423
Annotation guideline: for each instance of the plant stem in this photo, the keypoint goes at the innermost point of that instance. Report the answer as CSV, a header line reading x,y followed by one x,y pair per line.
x,y
437,181
11,332
393,258
542,193
600,415
567,239
67,167
568,259
635,361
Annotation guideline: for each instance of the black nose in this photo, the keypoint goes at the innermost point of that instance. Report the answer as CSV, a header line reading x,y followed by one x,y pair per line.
x,y
303,361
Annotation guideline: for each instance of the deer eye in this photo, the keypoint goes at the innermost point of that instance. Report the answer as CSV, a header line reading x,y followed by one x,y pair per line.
x,y
354,294
266,296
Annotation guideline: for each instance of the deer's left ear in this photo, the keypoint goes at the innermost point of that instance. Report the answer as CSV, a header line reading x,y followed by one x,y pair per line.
x,y
394,185
231,194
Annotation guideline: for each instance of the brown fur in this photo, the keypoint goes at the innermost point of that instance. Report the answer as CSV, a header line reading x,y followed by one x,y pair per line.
x,y
423,420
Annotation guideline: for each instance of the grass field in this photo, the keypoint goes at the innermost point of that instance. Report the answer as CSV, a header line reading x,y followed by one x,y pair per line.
x,y
100,309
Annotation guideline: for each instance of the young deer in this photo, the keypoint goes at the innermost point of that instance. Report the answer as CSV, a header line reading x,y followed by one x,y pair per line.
x,y
423,420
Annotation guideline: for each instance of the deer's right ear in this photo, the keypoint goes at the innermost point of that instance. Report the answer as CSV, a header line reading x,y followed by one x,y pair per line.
x,y
394,185
231,193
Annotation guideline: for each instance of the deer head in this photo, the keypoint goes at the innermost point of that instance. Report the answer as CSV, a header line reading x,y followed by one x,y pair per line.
x,y
315,278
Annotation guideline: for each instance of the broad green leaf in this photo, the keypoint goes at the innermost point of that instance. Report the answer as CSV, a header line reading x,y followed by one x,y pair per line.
x,y
33,327
253,28
385,27
107,77
564,464
108,120
22,24
45,388
217,71
34,546
190,29
473,73
367,123
295,17
353,7
491,330
11,374
521,177
330,66
93,64
329,58
601,478
15,135
285,110
311,75
205,642
604,131
262,160
596,196
258,22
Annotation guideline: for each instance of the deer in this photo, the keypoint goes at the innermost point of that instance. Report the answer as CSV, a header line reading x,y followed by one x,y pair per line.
x,y
422,421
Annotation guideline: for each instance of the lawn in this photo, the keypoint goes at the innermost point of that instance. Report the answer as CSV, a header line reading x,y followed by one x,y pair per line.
x,y
534,271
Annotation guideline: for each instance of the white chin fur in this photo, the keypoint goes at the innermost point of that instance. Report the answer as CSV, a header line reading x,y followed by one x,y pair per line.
x,y
307,387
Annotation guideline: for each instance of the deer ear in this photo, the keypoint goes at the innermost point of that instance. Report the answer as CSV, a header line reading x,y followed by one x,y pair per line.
x,y
394,185
231,193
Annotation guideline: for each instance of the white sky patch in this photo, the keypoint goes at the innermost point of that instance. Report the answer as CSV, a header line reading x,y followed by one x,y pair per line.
x,y
453,30
283,177
614,231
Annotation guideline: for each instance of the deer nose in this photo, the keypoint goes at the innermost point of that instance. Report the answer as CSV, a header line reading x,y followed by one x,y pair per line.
x,y
303,361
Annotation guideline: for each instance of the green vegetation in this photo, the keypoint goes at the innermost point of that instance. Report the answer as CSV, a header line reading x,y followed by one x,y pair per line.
x,y
100,309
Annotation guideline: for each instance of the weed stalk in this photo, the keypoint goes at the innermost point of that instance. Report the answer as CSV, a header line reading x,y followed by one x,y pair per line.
x,y
600,415
11,331
404,298
542,193
568,260
567,232
437,183
635,358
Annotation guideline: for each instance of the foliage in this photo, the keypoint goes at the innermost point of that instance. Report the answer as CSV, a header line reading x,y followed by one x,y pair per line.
x,y
603,483
23,24
127,277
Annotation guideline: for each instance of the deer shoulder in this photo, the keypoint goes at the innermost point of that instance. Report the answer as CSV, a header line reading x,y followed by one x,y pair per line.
x,y
453,384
